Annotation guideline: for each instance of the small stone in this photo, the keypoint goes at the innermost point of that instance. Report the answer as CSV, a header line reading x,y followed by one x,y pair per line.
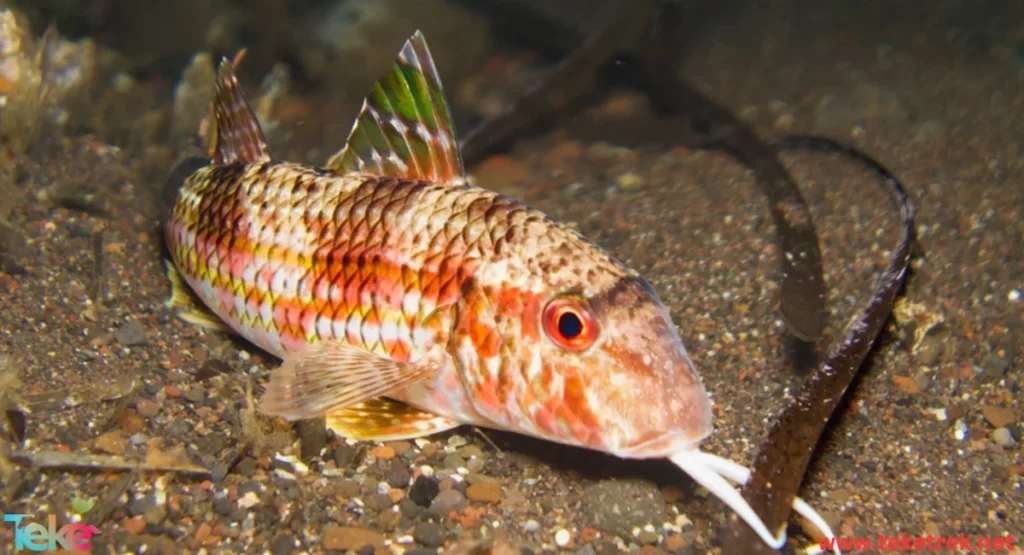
x,y
629,181
397,475
562,537
196,395
384,452
222,505
470,452
531,526
344,456
675,542
147,408
282,544
130,334
400,447
1003,437
344,538
484,492
112,443
130,422
429,450
134,526
998,417
647,537
138,506
906,385
447,501
995,367
155,514
248,501
424,490
387,520
454,461
929,350
429,534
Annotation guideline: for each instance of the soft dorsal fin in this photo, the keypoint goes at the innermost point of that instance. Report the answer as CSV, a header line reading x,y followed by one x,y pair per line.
x,y
404,128
236,135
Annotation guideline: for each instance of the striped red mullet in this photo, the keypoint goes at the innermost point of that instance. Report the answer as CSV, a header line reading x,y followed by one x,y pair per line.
x,y
404,301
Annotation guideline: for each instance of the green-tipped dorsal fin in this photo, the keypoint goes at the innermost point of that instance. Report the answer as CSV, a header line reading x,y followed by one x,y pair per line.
x,y
404,128
236,133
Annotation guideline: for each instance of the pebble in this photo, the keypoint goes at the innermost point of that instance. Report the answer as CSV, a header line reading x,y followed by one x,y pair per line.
x,y
531,526
282,544
629,181
130,422
147,408
130,334
484,492
1002,436
111,443
222,505
429,534
562,537
344,538
397,475
998,417
454,461
446,502
424,490
155,514
619,506
384,452
196,395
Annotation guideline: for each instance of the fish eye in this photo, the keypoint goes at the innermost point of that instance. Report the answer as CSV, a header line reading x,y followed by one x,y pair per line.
x,y
569,323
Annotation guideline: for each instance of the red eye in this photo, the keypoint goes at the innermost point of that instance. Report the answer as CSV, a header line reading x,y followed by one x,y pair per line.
x,y
569,324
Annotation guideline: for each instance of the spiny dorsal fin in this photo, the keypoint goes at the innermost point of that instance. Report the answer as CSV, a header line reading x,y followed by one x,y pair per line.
x,y
236,133
404,128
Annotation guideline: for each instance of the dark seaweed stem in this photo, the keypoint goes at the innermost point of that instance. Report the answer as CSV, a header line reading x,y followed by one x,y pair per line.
x,y
780,464
803,288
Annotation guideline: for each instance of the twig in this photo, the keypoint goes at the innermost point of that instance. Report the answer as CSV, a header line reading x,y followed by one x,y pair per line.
x,y
488,439
49,460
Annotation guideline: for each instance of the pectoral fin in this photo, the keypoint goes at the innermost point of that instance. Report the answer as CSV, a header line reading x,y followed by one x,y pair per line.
x,y
384,419
187,306
330,376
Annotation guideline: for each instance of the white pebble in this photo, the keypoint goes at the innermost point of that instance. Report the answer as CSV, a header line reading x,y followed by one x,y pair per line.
x,y
562,538
960,429
940,414
1013,296
1003,437
427,471
248,501
531,526
383,488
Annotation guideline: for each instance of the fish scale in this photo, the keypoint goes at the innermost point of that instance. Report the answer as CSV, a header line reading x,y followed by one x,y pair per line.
x,y
403,301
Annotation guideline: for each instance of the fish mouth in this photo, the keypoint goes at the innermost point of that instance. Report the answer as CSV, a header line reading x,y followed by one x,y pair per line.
x,y
663,446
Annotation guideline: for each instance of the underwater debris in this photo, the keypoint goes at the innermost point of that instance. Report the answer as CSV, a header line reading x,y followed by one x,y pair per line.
x,y
44,81
193,93
916,320
192,96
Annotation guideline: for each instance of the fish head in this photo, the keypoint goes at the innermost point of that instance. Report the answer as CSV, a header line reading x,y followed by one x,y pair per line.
x,y
624,370
593,359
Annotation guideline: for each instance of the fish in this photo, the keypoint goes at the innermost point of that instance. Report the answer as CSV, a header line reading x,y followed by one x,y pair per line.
x,y
404,300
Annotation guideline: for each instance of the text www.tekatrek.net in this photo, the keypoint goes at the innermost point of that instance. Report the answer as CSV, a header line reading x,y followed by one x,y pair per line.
x,y
904,542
